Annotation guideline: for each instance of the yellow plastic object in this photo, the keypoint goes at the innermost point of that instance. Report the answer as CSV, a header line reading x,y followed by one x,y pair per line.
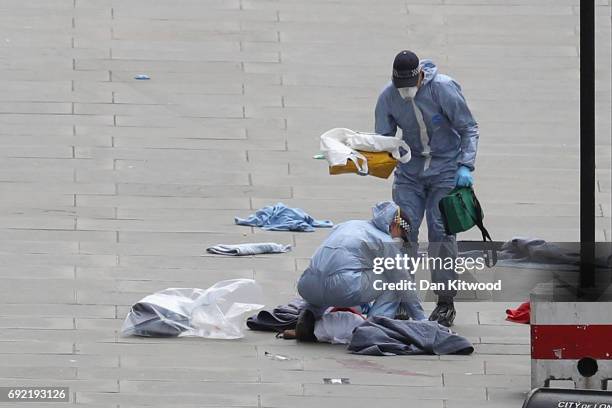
x,y
380,164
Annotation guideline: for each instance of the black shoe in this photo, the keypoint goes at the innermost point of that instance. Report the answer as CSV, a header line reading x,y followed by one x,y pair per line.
x,y
304,328
444,314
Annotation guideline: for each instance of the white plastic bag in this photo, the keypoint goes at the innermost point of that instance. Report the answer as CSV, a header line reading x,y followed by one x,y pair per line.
x,y
335,149
337,327
339,145
218,312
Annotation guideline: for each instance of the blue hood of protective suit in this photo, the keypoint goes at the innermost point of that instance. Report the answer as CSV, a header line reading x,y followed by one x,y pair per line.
x,y
429,68
382,215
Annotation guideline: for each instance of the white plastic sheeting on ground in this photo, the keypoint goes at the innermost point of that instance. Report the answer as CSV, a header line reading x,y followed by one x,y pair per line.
x,y
218,312
337,327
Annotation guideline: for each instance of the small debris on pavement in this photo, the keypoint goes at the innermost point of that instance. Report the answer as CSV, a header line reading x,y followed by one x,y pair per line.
x,y
277,357
335,381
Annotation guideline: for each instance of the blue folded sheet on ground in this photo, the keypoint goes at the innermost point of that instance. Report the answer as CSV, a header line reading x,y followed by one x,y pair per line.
x,y
283,317
279,217
248,249
381,336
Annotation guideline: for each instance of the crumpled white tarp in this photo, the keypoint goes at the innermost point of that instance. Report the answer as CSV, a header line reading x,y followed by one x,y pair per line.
x,y
218,312
340,144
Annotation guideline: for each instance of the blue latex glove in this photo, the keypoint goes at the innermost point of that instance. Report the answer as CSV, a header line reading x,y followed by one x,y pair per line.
x,y
464,178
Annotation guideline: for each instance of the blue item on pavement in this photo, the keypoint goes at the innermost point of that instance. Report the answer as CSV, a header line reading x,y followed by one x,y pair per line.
x,y
282,317
382,336
279,217
464,178
341,274
249,249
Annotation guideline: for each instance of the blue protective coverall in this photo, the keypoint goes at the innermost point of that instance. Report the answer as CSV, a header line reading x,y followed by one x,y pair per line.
x,y
341,270
443,135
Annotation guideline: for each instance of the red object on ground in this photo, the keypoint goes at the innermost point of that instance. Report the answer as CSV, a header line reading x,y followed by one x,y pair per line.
x,y
521,314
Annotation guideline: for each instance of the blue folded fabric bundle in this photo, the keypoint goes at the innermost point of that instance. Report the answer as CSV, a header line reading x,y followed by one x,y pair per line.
x,y
282,317
279,217
382,336
249,249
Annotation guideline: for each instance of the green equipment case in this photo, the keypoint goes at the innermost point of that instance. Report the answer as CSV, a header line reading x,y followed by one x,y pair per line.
x,y
461,211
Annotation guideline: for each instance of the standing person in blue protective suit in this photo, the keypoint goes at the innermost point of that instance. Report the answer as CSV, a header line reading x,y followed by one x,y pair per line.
x,y
442,134
341,271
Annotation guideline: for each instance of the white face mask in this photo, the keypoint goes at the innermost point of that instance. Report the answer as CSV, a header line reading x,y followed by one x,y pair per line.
x,y
398,240
408,93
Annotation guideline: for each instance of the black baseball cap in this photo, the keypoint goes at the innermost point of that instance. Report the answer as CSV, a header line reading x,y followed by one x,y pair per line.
x,y
406,69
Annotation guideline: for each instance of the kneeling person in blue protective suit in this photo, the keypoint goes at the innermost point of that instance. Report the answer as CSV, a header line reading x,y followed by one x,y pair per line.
x,y
443,136
342,271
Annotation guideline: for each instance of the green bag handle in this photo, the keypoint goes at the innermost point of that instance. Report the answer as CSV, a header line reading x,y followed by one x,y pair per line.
x,y
492,259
